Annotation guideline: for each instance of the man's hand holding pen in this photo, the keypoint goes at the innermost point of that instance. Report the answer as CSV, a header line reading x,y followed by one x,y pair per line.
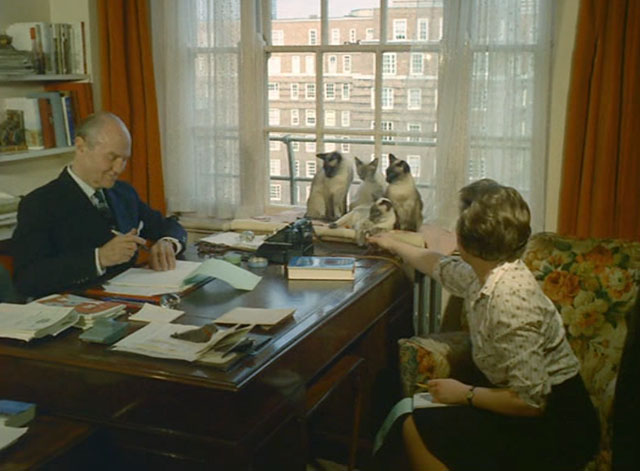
x,y
120,248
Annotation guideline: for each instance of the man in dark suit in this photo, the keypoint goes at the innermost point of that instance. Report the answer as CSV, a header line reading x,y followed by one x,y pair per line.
x,y
86,226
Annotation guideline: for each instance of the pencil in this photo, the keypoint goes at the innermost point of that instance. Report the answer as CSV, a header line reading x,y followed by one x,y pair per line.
x,y
142,246
422,385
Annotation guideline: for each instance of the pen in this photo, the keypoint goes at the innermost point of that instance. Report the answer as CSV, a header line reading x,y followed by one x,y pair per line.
x,y
142,246
422,385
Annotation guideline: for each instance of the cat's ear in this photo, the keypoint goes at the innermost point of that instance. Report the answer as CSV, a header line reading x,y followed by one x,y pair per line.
x,y
374,163
359,163
322,156
392,158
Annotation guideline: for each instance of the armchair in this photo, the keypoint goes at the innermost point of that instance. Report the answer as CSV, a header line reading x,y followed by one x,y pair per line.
x,y
594,284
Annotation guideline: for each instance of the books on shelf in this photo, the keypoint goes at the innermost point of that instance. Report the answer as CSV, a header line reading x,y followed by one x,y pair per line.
x,y
31,119
34,320
12,137
16,413
89,310
321,268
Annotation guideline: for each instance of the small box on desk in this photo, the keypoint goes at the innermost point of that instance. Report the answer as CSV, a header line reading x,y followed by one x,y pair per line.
x,y
321,268
296,239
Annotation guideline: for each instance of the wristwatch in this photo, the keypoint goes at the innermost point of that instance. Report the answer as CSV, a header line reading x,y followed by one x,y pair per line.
x,y
470,395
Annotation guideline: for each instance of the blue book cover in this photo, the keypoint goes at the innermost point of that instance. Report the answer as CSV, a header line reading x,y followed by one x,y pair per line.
x,y
330,263
16,413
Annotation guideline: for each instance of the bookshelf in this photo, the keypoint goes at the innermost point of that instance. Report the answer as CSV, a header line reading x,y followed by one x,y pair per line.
x,y
5,78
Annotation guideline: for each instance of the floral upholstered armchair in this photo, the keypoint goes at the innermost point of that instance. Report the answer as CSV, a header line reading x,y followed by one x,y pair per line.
x,y
594,284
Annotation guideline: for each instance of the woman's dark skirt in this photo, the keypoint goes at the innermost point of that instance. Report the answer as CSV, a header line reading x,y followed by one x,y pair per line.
x,y
465,438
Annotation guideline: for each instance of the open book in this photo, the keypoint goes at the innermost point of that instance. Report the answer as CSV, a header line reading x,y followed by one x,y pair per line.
x,y
89,310
34,320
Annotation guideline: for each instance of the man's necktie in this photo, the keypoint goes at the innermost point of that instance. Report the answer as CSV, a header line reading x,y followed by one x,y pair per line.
x,y
100,203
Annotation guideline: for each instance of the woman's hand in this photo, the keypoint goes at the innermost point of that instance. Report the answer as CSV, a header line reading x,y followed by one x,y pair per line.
x,y
384,241
448,391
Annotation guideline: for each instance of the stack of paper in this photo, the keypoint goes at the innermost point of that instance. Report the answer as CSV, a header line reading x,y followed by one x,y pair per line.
x,y
34,320
89,310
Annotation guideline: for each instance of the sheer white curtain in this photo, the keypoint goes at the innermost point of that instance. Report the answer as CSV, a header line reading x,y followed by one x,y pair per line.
x,y
210,169
493,71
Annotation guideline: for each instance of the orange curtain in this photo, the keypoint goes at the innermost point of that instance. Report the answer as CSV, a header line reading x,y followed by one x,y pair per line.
x,y
600,190
128,90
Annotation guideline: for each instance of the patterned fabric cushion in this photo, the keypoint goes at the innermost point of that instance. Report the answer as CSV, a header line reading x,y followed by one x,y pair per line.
x,y
594,284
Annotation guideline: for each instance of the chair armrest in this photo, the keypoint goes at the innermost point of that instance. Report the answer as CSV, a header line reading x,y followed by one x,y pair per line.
x,y
441,355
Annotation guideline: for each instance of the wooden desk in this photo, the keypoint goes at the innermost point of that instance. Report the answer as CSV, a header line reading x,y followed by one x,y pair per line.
x,y
175,414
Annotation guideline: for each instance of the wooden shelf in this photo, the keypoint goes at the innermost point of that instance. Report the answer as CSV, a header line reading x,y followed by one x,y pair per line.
x,y
42,77
33,154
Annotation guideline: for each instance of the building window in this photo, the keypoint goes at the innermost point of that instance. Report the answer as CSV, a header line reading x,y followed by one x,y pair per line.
x,y
274,117
423,29
295,65
400,29
309,65
346,64
333,64
387,126
335,36
345,147
295,146
387,98
274,165
274,90
274,66
330,91
313,37
414,165
310,117
417,64
296,167
277,37
275,191
389,63
295,117
329,146
310,147
330,118
346,91
414,99
352,35
311,167
275,146
414,127
310,91
295,91
368,35
345,120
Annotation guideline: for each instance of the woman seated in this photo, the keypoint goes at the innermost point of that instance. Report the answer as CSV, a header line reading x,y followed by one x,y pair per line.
x,y
534,412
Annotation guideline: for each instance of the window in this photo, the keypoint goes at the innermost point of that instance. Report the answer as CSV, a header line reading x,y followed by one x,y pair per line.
x,y
400,29
387,98
346,119
310,115
296,167
274,66
414,165
423,29
345,148
310,91
329,147
387,126
389,63
329,91
333,64
295,65
277,37
274,165
414,127
346,64
295,117
275,192
417,64
368,35
274,117
346,91
414,99
330,118
295,91
313,37
295,146
274,91
310,147
352,35
274,146
311,167
309,65
335,36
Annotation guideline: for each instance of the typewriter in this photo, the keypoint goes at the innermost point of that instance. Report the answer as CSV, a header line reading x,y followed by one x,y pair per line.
x,y
293,240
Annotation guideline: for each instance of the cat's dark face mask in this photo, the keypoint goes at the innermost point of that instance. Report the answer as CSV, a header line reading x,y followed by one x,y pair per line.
x,y
397,170
331,164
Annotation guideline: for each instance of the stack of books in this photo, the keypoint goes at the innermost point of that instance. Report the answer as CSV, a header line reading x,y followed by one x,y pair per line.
x,y
34,320
89,310
14,415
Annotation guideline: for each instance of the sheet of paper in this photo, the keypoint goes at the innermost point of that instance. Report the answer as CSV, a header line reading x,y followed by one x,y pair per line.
x,y
170,280
8,435
153,313
236,276
257,316
232,239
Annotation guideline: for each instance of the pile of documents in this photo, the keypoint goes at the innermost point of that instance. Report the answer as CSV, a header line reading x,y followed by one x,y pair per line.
x,y
34,320
89,310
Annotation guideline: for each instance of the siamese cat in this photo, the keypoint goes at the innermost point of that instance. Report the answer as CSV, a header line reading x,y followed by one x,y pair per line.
x,y
368,219
404,195
372,186
329,187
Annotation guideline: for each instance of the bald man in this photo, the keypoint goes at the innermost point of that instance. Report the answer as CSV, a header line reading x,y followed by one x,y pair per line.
x,y
86,226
